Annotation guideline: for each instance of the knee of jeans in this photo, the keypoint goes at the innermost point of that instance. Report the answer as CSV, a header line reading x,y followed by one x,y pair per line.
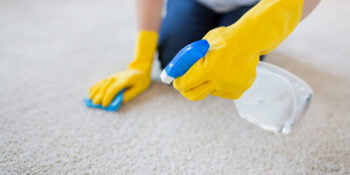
x,y
262,57
169,45
164,57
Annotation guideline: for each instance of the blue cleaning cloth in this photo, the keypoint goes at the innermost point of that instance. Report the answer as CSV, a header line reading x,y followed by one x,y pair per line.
x,y
114,106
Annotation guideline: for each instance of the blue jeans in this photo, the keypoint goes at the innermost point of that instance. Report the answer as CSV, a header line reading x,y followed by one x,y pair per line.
x,y
187,21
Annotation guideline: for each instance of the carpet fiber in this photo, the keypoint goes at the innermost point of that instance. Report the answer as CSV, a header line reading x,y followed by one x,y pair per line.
x,y
52,51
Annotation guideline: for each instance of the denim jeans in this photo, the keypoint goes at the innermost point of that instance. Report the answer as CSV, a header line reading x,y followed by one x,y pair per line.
x,y
187,21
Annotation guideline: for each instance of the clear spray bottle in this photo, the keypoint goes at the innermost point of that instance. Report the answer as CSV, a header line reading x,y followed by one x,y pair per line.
x,y
276,101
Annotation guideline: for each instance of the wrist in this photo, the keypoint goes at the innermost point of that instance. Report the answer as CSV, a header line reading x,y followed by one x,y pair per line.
x,y
266,25
144,52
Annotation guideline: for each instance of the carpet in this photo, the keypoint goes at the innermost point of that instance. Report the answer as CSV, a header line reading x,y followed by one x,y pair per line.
x,y
52,51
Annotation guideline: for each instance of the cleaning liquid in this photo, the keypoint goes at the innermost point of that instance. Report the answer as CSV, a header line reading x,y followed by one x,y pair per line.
x,y
276,101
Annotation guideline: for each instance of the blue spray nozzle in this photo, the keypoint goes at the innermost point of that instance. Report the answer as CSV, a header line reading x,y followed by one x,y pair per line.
x,y
184,60
114,106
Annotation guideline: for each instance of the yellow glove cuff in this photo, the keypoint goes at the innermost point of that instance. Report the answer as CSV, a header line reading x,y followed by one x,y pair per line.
x,y
267,24
145,48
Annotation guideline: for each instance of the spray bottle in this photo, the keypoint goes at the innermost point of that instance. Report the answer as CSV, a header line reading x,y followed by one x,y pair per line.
x,y
276,101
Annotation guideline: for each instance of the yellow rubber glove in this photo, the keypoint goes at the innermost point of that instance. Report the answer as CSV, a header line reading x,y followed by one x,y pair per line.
x,y
136,78
229,67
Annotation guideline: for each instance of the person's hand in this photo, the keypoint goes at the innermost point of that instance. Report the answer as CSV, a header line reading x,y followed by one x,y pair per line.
x,y
229,67
223,72
135,82
135,79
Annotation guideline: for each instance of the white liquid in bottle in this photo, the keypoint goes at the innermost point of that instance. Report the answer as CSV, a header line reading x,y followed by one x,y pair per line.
x,y
276,101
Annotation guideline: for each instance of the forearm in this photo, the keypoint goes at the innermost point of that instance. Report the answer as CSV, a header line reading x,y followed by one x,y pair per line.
x,y
309,6
149,14
149,18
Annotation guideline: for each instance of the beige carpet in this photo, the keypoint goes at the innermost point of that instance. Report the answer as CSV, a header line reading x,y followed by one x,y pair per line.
x,y
52,51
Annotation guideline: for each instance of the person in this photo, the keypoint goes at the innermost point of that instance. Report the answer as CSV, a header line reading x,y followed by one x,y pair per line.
x,y
238,31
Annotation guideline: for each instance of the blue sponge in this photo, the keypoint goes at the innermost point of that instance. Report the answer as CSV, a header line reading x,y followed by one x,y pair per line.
x,y
114,106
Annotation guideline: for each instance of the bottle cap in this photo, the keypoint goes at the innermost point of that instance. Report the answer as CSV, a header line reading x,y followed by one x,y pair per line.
x,y
165,77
